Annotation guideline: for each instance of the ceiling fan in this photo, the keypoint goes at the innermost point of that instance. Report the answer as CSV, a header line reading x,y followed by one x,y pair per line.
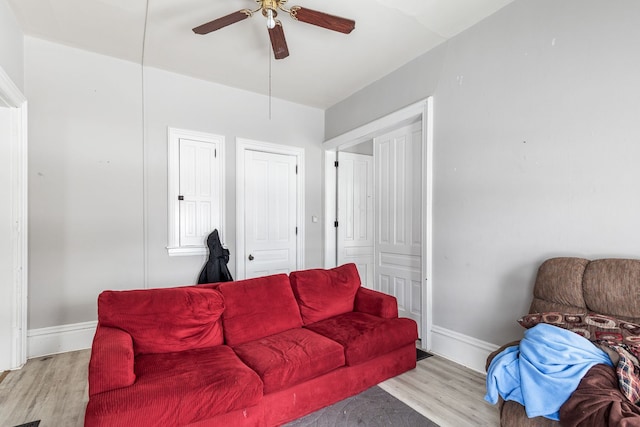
x,y
269,9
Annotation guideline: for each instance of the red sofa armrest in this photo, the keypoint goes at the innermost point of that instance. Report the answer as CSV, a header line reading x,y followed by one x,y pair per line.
x,y
111,363
376,303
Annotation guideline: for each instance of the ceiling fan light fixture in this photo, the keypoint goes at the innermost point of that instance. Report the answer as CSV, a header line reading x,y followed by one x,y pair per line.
x,y
271,22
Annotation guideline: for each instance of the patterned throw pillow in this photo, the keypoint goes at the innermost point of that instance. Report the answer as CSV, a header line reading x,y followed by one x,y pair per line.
x,y
592,326
618,335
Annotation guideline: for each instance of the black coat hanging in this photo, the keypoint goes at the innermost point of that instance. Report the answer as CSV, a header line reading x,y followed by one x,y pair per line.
x,y
215,269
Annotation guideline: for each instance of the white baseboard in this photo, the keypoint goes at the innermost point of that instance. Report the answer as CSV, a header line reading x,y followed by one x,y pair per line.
x,y
459,348
60,339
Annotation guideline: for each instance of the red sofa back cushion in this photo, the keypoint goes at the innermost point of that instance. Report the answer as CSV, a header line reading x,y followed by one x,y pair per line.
x,y
257,308
322,294
165,320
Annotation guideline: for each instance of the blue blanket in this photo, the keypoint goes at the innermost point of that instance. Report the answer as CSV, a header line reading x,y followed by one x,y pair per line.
x,y
543,371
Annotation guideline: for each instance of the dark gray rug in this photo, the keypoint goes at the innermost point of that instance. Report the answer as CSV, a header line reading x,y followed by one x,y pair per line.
x,y
421,354
371,408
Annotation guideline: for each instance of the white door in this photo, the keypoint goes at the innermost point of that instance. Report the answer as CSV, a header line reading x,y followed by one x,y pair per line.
x,y
270,213
398,196
356,214
7,298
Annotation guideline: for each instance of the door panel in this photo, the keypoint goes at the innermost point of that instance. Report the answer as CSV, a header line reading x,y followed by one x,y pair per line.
x,y
356,214
270,213
398,261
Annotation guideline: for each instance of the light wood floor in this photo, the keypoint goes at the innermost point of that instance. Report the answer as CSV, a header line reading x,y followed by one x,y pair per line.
x,y
445,392
54,389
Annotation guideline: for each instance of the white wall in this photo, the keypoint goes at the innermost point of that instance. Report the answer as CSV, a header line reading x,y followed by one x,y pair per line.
x,y
187,103
98,208
537,142
11,46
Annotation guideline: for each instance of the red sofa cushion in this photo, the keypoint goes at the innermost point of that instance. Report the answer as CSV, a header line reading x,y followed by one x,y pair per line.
x,y
178,389
290,357
165,320
325,293
256,308
364,336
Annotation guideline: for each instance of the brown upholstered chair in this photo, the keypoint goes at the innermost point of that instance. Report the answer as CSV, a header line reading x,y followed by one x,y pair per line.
x,y
575,285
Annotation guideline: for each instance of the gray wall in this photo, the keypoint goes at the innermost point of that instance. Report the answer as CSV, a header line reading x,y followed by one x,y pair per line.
x,y
537,145
98,183
85,186
11,46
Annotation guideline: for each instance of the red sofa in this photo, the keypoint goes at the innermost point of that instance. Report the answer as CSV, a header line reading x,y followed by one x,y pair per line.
x,y
256,352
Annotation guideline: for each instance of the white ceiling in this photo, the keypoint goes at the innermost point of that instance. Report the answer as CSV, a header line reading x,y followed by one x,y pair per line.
x,y
323,68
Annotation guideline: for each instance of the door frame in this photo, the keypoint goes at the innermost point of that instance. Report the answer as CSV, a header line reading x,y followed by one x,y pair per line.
x,y
423,111
12,97
242,145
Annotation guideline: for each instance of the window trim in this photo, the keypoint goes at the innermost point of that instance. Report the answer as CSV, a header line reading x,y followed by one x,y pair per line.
x,y
173,189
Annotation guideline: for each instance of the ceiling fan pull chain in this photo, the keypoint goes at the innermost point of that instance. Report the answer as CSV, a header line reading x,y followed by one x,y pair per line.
x,y
269,55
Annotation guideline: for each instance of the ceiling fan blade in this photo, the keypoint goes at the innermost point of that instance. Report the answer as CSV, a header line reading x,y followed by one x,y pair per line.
x,y
216,24
278,42
321,19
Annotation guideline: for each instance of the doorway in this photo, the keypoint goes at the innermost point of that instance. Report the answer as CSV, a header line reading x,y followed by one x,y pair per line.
x,y
269,209
403,146
13,225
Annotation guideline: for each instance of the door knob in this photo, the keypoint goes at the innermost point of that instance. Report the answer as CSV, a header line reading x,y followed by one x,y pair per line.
x,y
251,257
